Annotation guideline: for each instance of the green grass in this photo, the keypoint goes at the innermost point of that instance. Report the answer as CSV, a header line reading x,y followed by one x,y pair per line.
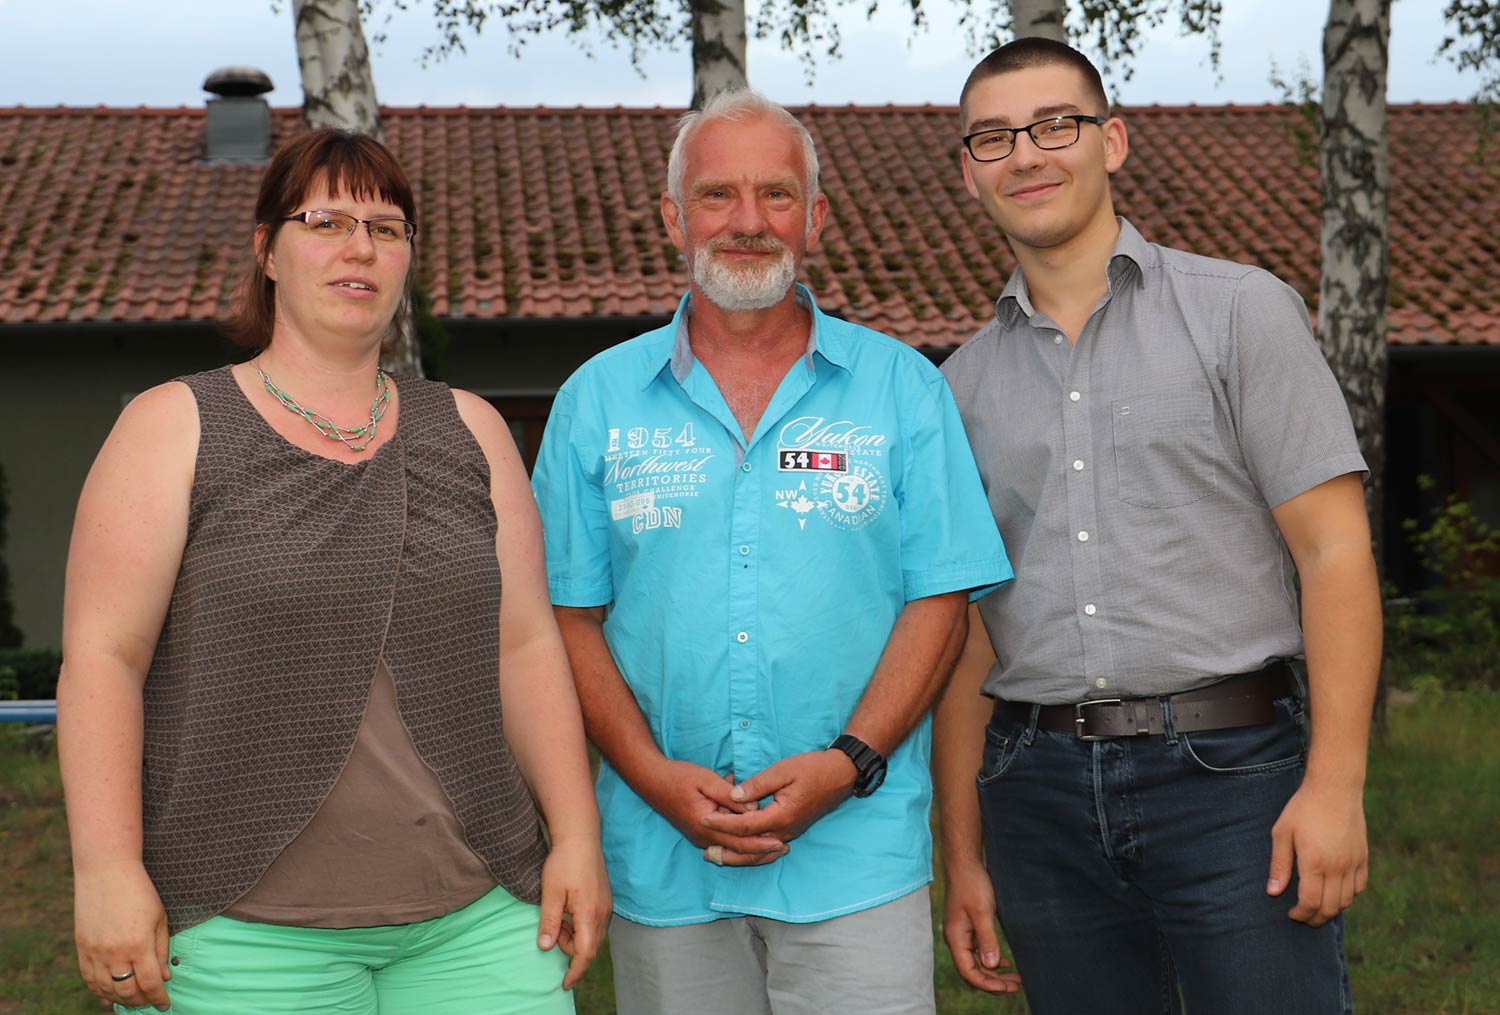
x,y
38,971
1426,936
1424,940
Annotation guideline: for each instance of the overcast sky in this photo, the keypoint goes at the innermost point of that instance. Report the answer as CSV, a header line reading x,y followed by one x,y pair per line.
x,y
157,53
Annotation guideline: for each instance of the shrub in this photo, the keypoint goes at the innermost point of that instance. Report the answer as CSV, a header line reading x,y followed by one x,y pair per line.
x,y
29,673
1449,635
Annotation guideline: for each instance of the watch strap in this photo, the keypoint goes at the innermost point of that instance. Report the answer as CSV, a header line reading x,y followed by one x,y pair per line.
x,y
869,764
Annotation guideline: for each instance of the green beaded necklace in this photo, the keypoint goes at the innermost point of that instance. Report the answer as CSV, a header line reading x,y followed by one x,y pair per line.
x,y
327,427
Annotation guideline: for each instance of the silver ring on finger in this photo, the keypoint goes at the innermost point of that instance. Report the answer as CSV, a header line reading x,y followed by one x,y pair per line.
x,y
122,977
716,855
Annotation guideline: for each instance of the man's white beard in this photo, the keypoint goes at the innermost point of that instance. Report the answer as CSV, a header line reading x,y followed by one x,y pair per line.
x,y
747,288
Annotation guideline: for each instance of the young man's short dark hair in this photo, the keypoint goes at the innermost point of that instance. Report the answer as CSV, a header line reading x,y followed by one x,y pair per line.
x,y
1035,51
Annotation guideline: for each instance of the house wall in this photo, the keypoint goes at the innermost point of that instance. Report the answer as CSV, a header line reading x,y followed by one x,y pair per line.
x,y
61,389
518,366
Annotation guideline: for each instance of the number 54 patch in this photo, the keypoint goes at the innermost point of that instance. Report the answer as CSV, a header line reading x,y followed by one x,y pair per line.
x,y
811,461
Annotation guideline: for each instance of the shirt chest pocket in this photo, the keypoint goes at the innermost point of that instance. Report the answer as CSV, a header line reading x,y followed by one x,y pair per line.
x,y
1164,448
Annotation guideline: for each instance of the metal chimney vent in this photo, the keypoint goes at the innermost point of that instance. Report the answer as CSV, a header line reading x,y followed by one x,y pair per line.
x,y
238,127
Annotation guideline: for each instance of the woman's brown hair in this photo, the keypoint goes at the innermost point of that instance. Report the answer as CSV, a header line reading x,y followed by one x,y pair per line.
x,y
353,164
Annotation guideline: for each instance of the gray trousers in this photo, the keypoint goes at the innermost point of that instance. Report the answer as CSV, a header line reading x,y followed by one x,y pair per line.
x,y
874,962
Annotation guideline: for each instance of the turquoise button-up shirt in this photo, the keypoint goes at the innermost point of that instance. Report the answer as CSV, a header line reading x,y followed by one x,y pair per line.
x,y
752,587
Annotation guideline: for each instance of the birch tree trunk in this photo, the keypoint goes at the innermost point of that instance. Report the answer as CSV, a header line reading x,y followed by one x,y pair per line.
x,y
1356,185
338,90
718,48
1038,17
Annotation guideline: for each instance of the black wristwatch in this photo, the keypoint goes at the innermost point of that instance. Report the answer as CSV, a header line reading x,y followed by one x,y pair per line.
x,y
868,763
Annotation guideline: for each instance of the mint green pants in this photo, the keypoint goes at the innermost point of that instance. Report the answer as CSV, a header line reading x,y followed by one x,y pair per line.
x,y
479,960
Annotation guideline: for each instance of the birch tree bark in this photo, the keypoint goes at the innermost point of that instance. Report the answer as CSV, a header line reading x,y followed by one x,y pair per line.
x,y
718,47
1356,183
1038,17
338,89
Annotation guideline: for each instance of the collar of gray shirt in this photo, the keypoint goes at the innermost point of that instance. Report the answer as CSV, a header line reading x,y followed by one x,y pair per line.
x,y
1131,255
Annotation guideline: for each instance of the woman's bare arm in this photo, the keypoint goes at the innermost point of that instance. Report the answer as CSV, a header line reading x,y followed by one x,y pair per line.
x,y
543,725
127,546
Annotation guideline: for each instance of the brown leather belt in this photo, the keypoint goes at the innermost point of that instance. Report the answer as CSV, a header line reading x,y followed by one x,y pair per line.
x,y
1246,699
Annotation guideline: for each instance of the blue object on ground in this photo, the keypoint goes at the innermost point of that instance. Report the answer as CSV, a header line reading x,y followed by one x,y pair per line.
x,y
39,710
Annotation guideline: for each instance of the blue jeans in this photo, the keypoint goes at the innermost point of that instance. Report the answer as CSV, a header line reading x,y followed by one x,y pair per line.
x,y
1128,870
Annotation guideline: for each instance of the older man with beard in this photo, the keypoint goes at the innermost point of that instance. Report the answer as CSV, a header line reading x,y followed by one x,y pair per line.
x,y
762,524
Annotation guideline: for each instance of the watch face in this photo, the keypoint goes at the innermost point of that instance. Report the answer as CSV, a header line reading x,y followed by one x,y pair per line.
x,y
870,782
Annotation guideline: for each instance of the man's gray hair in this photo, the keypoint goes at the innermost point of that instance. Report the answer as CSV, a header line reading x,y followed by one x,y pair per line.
x,y
739,105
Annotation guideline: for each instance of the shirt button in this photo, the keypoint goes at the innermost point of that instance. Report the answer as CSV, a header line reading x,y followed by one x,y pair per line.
x,y
1090,609
744,551
744,724
1057,339
1074,396
1101,682
742,637
1083,537
1078,465
745,467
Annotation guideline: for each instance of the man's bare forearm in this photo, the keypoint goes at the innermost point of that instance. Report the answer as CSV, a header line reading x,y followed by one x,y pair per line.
x,y
914,667
1328,534
611,716
959,720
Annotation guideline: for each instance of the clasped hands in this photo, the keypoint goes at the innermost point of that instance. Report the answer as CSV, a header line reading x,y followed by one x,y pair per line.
x,y
713,811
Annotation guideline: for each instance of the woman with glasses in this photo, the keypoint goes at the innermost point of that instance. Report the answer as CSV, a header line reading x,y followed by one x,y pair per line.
x,y
315,760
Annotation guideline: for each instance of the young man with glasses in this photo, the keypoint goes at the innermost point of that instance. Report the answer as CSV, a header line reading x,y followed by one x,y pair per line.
x,y
1165,816
781,514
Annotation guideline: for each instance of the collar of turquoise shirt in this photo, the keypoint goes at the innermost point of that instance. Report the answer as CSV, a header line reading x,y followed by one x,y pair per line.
x,y
674,352
1131,251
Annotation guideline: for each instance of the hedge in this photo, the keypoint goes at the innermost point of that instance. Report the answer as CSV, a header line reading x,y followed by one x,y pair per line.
x,y
29,673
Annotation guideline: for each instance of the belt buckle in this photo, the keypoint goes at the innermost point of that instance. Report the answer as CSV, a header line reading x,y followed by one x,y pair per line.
x,y
1080,720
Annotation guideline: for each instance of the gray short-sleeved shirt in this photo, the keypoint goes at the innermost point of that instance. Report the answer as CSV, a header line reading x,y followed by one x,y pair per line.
x,y
1133,475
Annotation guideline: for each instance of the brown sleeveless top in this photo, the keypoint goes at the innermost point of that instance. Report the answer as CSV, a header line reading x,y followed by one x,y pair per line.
x,y
384,848
299,574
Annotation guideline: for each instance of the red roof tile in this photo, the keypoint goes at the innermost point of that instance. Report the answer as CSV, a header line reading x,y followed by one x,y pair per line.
x,y
115,217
